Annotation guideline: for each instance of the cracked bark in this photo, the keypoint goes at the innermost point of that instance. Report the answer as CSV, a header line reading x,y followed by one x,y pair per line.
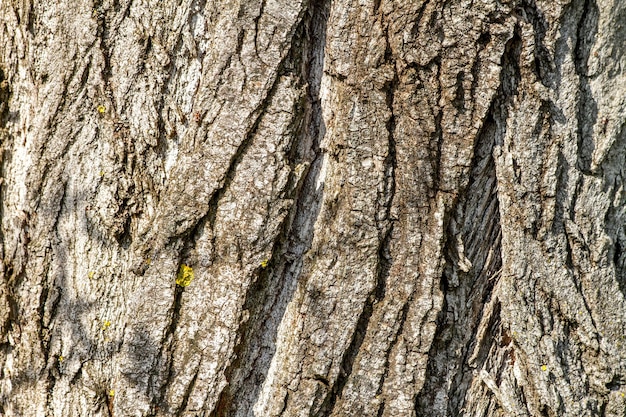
x,y
390,208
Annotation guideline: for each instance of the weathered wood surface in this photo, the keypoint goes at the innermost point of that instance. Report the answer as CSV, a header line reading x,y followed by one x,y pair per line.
x,y
390,207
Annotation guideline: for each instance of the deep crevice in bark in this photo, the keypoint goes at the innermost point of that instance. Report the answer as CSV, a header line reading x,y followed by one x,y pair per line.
x,y
459,96
103,32
5,300
418,19
267,297
510,76
587,106
436,138
352,351
473,235
256,29
190,237
347,361
187,394
385,226
473,258
544,64
167,343
5,95
615,218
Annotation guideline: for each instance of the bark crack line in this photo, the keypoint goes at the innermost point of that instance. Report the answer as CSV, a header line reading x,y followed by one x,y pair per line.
x,y
476,223
150,249
587,28
386,224
5,97
418,19
210,215
544,64
384,256
482,42
166,346
259,112
263,295
38,177
437,135
256,298
188,392
403,316
256,30
103,36
385,227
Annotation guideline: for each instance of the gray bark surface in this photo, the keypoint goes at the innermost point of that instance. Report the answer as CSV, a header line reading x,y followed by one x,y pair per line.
x,y
312,208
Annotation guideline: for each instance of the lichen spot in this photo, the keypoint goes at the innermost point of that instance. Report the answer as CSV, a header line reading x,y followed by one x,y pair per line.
x,y
91,274
544,368
264,263
112,393
101,109
106,324
184,276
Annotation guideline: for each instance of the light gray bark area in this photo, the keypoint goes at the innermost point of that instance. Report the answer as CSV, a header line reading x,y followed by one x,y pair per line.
x,y
391,208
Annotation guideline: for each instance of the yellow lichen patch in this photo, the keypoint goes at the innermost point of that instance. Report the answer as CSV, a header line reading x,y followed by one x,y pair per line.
x,y
184,276
148,261
101,109
61,358
102,173
264,263
544,368
106,324
112,393
91,274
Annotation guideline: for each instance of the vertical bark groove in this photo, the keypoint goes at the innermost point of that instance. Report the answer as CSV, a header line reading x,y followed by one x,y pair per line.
x,y
473,262
587,106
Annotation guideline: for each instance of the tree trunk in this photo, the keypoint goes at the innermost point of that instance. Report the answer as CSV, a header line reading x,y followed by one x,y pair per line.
x,y
313,208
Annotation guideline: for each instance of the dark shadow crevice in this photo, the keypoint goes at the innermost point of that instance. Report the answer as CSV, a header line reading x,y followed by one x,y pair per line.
x,y
473,258
467,286
385,226
545,68
273,286
587,29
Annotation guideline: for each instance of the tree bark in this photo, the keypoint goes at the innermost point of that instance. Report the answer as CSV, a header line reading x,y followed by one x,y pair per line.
x,y
313,208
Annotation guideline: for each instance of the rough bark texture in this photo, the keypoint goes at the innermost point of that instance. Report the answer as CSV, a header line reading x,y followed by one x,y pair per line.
x,y
390,208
